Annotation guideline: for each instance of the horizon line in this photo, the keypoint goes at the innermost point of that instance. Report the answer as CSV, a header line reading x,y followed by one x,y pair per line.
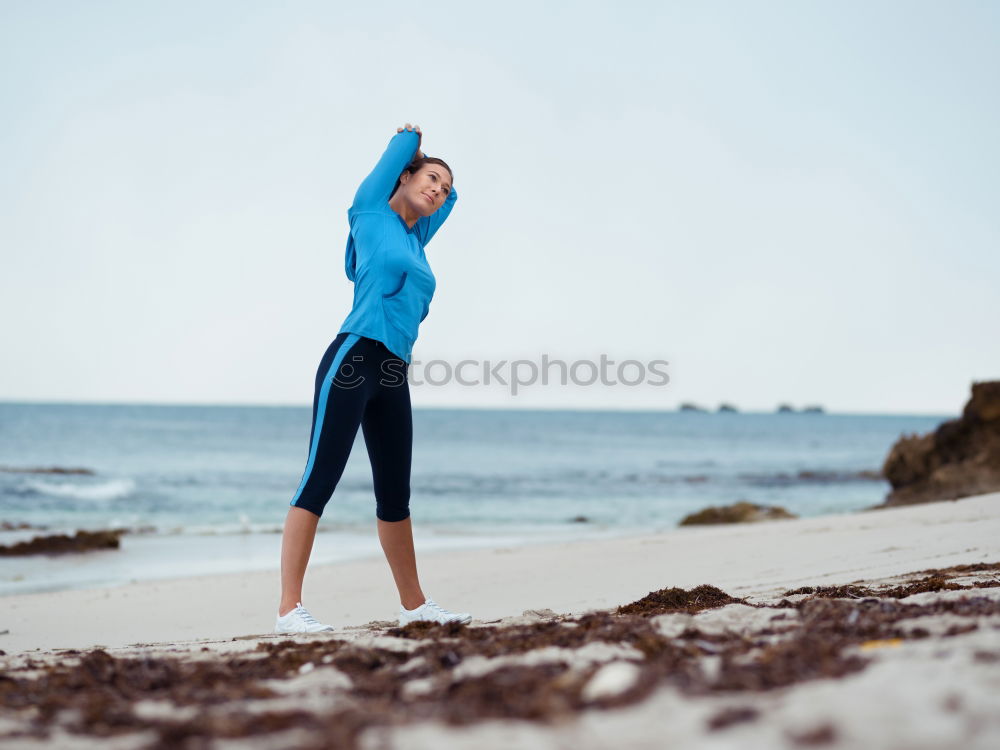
x,y
488,407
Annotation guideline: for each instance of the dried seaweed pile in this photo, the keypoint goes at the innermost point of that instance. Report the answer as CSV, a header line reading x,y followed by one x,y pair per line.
x,y
678,600
460,675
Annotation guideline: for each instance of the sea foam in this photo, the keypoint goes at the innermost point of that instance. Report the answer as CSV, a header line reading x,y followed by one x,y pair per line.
x,y
112,489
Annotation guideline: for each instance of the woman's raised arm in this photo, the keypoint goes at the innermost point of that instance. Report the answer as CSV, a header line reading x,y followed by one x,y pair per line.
x,y
376,187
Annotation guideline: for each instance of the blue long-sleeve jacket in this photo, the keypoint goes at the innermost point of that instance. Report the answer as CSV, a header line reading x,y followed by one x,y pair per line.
x,y
393,283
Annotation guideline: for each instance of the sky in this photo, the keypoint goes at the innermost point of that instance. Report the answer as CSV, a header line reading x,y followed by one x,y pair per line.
x,y
786,202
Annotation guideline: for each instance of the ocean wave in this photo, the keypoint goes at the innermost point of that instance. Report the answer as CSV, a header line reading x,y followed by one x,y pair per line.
x,y
238,526
113,489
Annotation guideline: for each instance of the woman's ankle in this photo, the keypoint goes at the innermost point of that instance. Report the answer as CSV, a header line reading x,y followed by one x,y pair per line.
x,y
412,602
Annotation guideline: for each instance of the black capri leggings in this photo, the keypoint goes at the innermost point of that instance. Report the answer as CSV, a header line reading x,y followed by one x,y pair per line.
x,y
360,382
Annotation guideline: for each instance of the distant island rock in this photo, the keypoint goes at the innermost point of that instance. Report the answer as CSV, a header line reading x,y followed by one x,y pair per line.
x,y
728,408
789,409
688,406
739,512
960,458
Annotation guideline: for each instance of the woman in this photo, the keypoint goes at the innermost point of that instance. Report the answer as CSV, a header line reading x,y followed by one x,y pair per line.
x,y
362,377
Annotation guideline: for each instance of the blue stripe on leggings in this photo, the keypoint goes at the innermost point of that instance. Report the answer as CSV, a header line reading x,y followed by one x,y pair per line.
x,y
321,409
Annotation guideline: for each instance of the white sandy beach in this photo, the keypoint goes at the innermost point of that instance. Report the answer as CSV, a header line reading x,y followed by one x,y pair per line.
x,y
757,560
924,673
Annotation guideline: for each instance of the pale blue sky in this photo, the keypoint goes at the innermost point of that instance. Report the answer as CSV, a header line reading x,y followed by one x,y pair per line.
x,y
787,201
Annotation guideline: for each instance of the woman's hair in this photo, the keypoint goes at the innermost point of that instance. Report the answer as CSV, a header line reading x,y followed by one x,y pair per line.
x,y
416,164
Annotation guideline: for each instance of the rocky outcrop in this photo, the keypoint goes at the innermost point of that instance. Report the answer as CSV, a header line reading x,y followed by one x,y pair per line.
x,y
740,512
82,541
960,458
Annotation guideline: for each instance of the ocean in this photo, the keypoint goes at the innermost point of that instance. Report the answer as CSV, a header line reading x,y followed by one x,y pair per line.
x,y
205,489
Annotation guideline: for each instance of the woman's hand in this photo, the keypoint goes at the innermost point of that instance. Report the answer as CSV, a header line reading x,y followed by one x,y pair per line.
x,y
420,137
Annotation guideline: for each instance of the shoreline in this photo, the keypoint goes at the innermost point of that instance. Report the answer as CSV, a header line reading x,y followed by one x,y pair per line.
x,y
502,581
198,555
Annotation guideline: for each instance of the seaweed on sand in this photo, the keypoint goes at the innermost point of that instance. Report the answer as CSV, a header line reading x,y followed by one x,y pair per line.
x,y
367,685
679,600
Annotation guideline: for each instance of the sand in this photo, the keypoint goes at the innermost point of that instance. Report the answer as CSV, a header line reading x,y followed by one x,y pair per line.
x,y
934,688
755,559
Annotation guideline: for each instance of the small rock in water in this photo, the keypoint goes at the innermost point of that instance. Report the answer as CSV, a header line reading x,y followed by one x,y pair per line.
x,y
82,541
739,512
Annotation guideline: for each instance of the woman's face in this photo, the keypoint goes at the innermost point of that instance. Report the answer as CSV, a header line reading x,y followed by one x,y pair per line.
x,y
427,188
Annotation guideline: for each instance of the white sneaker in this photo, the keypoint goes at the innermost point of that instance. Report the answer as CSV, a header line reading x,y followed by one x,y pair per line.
x,y
299,621
431,611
